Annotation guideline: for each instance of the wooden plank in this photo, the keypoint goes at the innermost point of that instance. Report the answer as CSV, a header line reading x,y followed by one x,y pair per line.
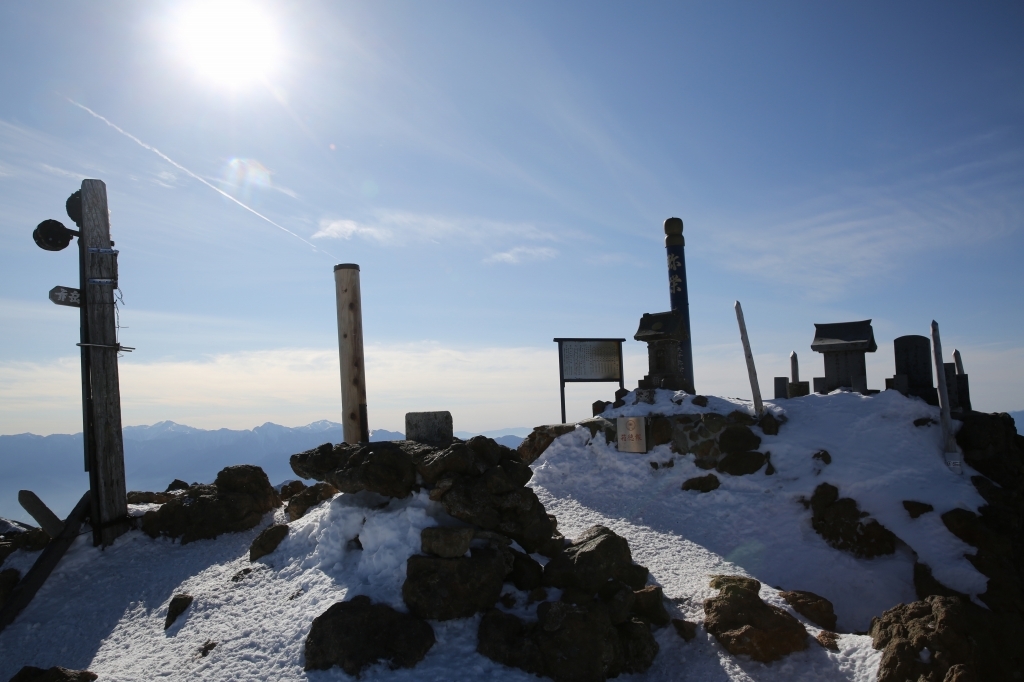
x,y
110,505
751,371
38,510
27,587
949,448
350,351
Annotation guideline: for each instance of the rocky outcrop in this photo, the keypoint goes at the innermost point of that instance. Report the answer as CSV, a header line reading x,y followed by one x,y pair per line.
x,y
55,674
141,497
594,558
745,625
300,502
291,488
267,541
236,501
842,525
436,588
816,609
356,634
534,445
15,535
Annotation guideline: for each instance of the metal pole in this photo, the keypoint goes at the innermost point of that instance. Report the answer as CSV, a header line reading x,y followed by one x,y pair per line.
x,y
350,351
561,379
948,444
675,247
751,371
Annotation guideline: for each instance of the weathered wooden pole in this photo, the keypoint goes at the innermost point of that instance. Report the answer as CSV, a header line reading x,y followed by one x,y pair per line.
x,y
794,368
959,362
350,351
109,498
948,443
751,371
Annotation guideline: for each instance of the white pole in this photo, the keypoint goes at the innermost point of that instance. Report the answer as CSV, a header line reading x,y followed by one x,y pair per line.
x,y
751,371
958,361
948,444
794,368
350,352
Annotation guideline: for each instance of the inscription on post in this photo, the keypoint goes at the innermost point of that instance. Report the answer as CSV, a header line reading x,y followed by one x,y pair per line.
x,y
631,434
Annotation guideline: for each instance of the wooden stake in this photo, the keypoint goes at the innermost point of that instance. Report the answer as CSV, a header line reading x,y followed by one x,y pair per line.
x,y
46,519
109,498
794,368
751,371
948,444
350,352
959,362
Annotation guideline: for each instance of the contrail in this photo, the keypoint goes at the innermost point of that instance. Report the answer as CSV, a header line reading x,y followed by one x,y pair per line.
x,y
177,165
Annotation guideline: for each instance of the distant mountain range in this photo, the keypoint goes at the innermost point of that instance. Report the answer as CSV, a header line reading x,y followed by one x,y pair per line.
x,y
52,466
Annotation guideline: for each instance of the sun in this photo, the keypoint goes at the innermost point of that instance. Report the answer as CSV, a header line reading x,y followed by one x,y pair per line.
x,y
230,42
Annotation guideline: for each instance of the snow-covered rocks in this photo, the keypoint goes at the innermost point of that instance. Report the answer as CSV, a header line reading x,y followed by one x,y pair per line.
x,y
745,625
842,525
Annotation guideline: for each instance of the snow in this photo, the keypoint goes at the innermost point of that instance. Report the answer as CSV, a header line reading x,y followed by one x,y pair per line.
x,y
105,610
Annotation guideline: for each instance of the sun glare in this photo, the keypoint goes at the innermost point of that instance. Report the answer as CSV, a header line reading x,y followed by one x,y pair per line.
x,y
232,43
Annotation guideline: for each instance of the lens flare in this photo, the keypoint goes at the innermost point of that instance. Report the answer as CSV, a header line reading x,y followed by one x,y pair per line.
x,y
229,42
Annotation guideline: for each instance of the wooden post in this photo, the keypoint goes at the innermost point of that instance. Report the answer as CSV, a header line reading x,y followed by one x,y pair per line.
x,y
959,362
38,510
948,443
350,352
109,498
794,369
751,371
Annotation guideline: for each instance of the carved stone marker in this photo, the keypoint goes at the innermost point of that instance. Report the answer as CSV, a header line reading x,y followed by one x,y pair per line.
x,y
429,427
914,368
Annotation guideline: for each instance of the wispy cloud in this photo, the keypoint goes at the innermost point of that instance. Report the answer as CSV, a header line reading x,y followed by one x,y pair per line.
x,y
60,172
346,229
405,227
522,254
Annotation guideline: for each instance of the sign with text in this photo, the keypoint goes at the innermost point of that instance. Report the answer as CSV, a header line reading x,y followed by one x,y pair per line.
x,y
588,360
66,296
631,434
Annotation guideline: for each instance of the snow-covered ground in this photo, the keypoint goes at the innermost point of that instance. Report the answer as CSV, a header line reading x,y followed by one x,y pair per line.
x,y
105,610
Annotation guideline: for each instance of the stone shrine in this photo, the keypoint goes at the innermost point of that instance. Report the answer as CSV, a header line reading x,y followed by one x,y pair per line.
x,y
843,344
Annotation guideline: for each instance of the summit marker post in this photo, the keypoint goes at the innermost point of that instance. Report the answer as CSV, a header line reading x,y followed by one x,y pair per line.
x,y
350,351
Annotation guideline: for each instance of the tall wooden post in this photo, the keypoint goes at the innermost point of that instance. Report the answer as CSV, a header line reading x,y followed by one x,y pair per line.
x,y
106,471
948,442
350,352
794,368
751,370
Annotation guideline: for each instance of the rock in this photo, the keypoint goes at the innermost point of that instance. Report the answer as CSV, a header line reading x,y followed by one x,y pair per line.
x,y
176,484
442,589
356,634
741,463
738,439
915,509
649,606
995,558
925,584
179,603
9,578
702,484
661,430
319,461
578,643
619,599
291,488
517,514
455,459
718,582
534,445
209,646
527,574
594,558
384,468
740,418
267,541
822,456
924,421
993,447
638,646
446,542
700,401
745,625
770,469
955,632
769,424
601,425
55,674
685,628
137,497
300,502
713,422
828,640
816,609
504,638
236,501
838,521
15,535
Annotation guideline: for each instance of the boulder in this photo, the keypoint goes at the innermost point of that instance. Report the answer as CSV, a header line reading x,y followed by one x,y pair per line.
x,y
702,484
916,509
236,501
816,609
176,607
700,401
578,643
455,459
660,430
741,463
356,634
995,558
291,488
594,558
745,625
840,523
619,599
649,606
638,645
526,573
384,468
492,501
267,541
992,446
828,640
506,639
300,502
176,484
534,445
685,628
139,497
442,589
446,542
769,424
720,581
31,673
738,439
822,456
740,418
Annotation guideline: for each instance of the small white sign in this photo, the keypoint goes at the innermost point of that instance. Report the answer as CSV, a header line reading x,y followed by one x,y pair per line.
x,y
631,434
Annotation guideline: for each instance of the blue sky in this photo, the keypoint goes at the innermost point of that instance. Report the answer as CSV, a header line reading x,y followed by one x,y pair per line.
x,y
500,171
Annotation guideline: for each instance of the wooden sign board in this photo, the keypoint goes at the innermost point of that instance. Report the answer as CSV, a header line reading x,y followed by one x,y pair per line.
x,y
66,296
588,360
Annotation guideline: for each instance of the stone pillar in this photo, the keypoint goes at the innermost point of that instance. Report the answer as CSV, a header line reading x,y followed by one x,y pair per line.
x,y
679,297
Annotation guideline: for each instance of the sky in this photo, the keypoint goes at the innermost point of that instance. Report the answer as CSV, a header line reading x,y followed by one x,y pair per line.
x,y
501,173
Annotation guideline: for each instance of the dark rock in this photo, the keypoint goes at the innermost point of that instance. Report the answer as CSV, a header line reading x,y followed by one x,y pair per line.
x,y
455,459
719,582
915,509
769,424
526,574
700,401
291,488
814,608
17,535
209,646
822,456
702,484
578,643
600,406
534,445
320,461
649,606
745,625
685,628
594,558
601,425
446,542
839,522
301,502
139,497
638,646
504,638
955,632
9,578
31,673
635,576
517,514
828,640
995,558
924,421
356,634
179,603
537,594
992,446
442,589
661,430
741,463
618,597
740,418
267,541
384,468
236,501
713,422
177,484
770,469
738,439
925,584
240,576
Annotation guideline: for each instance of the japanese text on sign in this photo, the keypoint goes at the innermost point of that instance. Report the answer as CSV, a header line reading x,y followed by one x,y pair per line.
x,y
591,361
631,434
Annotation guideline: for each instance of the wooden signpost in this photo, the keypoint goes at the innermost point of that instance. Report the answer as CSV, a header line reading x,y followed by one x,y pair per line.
x,y
588,360
355,424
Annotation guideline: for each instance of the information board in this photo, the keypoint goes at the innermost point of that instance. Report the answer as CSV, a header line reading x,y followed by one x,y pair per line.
x,y
588,360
